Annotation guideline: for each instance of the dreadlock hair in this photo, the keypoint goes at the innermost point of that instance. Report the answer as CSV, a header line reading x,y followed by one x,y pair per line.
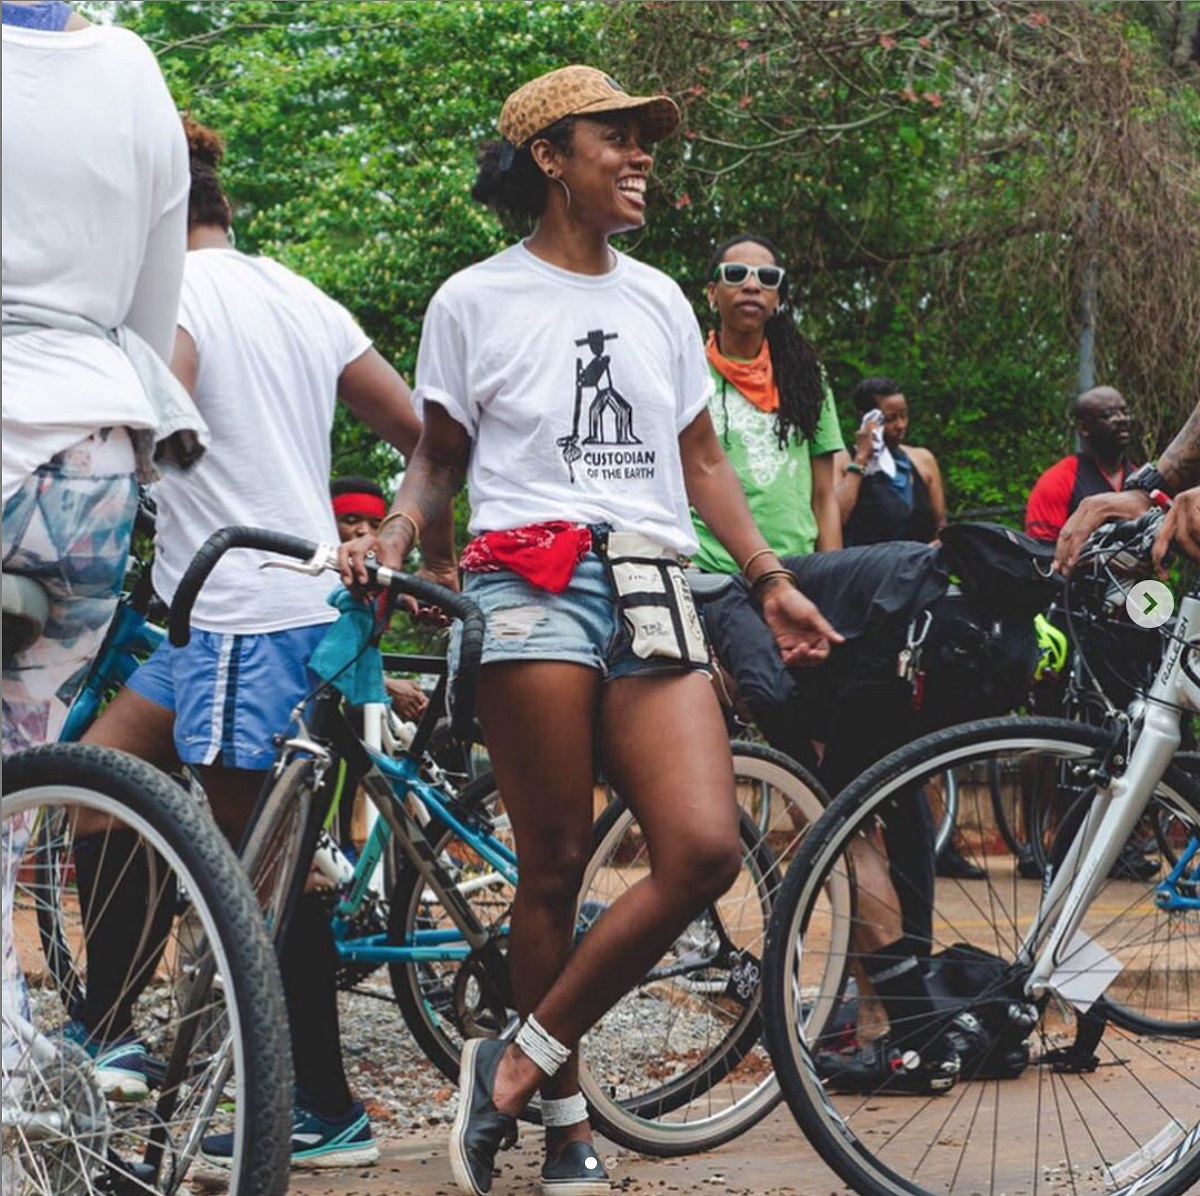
x,y
799,374
206,200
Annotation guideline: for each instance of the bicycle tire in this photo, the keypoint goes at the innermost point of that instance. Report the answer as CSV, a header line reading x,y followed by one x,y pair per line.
x,y
278,842
444,1001
677,1065
208,1009
679,1113
1045,1129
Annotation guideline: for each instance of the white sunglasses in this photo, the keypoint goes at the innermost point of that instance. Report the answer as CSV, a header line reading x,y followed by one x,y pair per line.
x,y
770,278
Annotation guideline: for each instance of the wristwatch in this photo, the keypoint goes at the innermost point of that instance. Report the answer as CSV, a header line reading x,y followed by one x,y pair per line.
x,y
1148,479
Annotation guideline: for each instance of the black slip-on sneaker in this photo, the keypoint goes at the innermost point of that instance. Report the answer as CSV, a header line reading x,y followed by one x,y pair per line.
x,y
575,1171
479,1129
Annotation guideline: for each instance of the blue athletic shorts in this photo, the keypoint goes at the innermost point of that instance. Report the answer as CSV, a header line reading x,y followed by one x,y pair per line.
x,y
581,625
231,693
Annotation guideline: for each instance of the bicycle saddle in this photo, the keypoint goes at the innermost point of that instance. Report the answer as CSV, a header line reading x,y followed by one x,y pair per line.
x,y
26,609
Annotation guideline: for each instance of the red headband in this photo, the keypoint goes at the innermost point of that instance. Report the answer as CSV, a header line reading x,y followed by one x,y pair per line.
x,y
370,505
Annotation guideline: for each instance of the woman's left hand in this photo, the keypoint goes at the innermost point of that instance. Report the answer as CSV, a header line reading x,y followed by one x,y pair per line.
x,y
803,634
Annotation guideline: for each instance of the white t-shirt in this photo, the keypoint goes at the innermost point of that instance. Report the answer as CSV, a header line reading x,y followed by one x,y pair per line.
x,y
95,187
574,389
271,347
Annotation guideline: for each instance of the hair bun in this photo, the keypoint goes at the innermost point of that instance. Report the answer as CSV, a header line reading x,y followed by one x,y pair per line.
x,y
204,143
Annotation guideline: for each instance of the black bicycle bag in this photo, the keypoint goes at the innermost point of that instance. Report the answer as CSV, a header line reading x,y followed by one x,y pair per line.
x,y
1003,571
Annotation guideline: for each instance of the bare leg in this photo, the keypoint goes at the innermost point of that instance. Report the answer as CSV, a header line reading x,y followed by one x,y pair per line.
x,y
538,719
667,753
133,724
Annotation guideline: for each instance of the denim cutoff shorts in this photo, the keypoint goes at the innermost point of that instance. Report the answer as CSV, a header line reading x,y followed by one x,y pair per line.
x,y
580,626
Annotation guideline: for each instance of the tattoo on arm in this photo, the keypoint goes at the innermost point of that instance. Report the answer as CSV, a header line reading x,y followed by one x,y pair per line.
x,y
1180,462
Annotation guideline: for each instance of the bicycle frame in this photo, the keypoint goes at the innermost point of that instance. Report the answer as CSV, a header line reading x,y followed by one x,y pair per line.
x,y
1121,799
406,804
128,641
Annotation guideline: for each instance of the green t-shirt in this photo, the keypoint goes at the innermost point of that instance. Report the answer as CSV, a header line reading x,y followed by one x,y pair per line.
x,y
777,482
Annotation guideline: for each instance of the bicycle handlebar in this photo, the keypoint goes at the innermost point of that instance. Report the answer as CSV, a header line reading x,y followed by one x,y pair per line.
x,y
1125,545
324,557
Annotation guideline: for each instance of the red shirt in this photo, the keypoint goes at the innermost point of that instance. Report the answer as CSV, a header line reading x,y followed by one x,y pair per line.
x,y
1061,489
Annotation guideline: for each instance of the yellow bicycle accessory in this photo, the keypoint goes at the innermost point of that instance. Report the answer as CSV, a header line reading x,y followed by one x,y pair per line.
x,y
1052,648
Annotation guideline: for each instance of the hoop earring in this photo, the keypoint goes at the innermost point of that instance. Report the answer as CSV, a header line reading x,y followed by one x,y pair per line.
x,y
562,183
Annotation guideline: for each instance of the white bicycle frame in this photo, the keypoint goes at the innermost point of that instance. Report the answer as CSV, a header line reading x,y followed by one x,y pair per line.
x,y
1117,806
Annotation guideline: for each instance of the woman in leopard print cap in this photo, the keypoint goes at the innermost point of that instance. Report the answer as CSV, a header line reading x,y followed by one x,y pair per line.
x,y
568,383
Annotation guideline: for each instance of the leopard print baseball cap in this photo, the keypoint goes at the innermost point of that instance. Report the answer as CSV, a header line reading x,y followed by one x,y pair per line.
x,y
579,91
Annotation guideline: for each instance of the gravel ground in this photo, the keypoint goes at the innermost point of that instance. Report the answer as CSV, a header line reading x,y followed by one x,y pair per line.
x,y
387,1071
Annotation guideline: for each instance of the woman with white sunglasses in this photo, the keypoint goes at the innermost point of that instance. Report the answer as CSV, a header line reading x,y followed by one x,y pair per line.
x,y
774,412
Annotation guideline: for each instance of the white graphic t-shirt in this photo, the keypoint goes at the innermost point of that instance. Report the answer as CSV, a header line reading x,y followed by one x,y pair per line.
x,y
574,389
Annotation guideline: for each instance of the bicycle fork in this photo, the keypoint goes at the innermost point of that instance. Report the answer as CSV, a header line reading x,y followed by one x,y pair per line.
x,y
1107,824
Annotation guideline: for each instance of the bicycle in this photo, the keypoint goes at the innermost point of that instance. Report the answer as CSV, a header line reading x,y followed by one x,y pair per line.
x,y
1111,968
448,912
201,992
132,635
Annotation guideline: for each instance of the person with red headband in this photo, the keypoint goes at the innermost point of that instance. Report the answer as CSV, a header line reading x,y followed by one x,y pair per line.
x,y
359,505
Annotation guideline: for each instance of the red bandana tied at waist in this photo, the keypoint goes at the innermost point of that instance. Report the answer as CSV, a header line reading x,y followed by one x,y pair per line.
x,y
544,554
755,379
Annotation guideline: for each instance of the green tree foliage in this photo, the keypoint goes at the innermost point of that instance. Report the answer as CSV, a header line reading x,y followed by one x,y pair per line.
x,y
943,178
351,132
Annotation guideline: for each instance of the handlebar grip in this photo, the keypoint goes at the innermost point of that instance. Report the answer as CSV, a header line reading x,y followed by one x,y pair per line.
x,y
205,561
457,605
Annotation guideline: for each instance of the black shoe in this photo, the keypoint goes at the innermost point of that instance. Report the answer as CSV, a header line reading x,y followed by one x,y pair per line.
x,y
479,1129
1027,866
983,1056
1134,864
880,1067
575,1171
952,864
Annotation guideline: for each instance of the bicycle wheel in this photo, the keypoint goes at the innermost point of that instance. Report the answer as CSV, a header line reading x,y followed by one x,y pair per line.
x,y
677,1065
444,1000
1153,943
696,1075
278,843
1058,1125
195,982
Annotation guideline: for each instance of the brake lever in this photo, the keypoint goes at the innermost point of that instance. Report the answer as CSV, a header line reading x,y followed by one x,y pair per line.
x,y
324,558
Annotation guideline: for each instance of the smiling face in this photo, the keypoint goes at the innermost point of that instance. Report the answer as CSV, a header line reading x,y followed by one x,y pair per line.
x,y
745,307
894,409
605,172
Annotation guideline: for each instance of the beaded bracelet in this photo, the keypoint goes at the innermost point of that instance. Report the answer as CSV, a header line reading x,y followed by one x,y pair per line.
x,y
854,467
401,515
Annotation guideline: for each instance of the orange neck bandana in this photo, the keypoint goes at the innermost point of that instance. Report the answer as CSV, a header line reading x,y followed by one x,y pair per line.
x,y
755,379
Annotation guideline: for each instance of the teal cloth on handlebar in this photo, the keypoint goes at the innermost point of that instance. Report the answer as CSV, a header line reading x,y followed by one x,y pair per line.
x,y
347,657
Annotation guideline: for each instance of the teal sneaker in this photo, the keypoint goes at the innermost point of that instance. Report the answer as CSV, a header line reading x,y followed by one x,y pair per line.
x,y
120,1066
317,1142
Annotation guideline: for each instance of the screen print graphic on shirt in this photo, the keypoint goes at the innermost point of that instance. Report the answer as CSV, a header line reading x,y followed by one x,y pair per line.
x,y
607,453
